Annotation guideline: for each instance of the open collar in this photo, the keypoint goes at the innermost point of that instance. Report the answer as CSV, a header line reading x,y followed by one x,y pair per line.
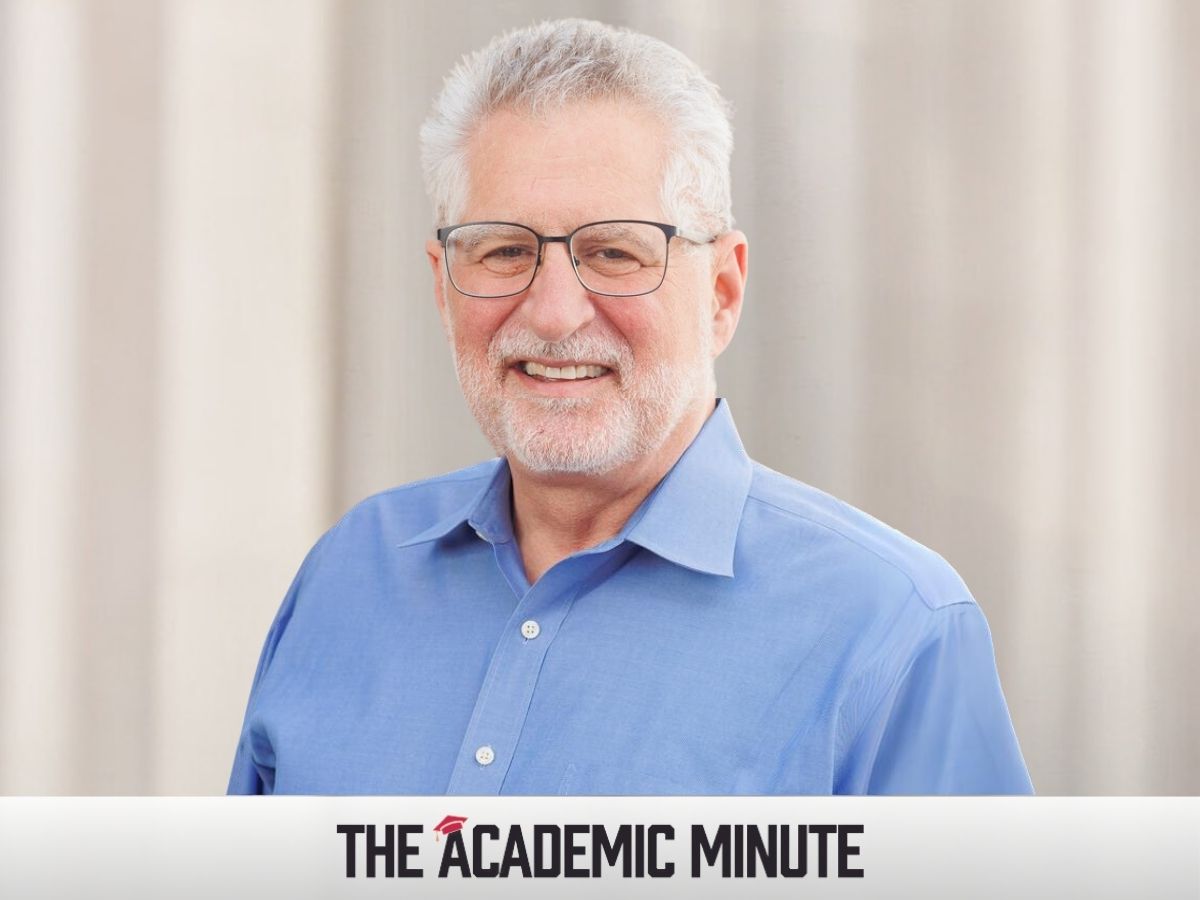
x,y
691,518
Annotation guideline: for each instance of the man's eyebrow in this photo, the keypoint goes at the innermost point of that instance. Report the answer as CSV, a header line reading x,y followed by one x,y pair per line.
x,y
610,230
477,234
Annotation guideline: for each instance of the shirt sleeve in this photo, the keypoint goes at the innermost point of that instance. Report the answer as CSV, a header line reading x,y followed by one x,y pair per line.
x,y
943,726
254,761
249,776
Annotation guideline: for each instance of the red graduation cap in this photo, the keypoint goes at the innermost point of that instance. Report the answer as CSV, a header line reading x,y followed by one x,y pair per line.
x,y
450,824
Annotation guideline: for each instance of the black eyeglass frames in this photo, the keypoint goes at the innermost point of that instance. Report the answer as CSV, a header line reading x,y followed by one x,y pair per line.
x,y
614,258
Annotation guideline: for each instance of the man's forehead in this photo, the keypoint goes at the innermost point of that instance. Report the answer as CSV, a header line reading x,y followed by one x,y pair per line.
x,y
610,112
576,163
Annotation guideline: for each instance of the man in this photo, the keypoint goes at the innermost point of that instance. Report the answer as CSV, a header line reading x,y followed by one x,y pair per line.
x,y
623,602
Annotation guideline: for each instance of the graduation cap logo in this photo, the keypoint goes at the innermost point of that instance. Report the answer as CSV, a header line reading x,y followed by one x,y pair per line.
x,y
448,826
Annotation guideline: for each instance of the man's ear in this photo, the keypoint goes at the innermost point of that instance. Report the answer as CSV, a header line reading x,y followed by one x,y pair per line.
x,y
434,250
730,262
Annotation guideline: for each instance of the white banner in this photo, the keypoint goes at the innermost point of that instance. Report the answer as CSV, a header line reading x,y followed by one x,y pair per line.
x,y
1018,847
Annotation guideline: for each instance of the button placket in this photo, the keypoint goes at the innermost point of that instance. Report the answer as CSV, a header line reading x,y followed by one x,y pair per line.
x,y
509,684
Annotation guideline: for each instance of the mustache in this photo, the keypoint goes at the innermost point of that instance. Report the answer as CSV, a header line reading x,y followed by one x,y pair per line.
x,y
603,350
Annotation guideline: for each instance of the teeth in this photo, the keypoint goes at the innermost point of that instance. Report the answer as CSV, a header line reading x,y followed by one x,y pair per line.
x,y
563,373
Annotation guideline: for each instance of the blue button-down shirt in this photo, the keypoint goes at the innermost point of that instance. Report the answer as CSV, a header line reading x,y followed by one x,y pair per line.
x,y
743,633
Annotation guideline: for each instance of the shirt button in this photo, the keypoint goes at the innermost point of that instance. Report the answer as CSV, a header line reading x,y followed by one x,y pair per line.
x,y
485,755
530,629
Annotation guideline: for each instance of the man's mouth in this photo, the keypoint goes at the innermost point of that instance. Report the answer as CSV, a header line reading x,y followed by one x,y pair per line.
x,y
572,372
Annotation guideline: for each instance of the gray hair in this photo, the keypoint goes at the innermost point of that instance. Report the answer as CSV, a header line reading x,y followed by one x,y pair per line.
x,y
548,65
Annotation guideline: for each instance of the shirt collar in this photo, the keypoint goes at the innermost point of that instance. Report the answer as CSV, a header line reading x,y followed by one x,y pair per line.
x,y
691,518
493,496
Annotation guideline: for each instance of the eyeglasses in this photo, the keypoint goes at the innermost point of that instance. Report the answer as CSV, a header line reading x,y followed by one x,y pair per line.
x,y
617,258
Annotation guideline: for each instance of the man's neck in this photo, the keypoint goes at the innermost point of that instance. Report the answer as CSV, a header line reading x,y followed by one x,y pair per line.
x,y
556,515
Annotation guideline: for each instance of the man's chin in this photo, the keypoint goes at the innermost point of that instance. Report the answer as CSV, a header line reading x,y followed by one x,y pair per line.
x,y
538,461
582,447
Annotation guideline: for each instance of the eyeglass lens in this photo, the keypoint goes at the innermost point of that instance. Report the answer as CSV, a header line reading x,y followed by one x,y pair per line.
x,y
614,258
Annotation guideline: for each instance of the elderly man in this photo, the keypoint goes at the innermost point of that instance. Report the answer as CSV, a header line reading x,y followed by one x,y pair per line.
x,y
622,602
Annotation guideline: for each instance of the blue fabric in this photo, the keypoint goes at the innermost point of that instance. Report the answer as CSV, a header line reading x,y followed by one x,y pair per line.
x,y
743,634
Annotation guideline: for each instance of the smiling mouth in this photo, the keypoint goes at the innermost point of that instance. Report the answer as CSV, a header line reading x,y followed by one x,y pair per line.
x,y
542,372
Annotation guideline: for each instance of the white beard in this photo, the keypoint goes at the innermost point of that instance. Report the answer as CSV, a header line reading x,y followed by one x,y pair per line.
x,y
581,435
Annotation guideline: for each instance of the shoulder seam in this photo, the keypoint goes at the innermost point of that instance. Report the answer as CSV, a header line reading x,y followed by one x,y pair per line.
x,y
857,543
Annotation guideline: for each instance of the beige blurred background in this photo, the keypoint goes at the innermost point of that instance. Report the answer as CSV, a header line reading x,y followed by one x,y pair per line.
x,y
974,311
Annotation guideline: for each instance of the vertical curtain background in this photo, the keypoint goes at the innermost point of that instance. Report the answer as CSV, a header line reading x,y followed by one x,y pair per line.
x,y
973,311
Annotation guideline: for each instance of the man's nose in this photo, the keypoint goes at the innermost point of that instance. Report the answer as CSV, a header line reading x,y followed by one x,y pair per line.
x,y
556,304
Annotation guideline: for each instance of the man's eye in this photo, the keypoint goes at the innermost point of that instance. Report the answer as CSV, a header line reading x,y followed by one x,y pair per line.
x,y
510,252
610,254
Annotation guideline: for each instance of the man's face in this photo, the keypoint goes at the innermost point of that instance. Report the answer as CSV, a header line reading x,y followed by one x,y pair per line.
x,y
585,163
